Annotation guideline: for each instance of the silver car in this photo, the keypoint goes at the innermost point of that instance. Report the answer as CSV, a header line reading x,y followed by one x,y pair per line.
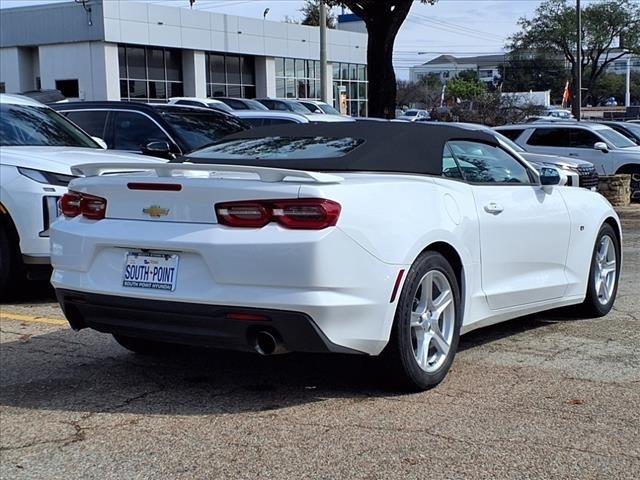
x,y
609,151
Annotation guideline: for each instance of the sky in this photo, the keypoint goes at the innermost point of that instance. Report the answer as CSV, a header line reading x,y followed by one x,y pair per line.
x,y
457,27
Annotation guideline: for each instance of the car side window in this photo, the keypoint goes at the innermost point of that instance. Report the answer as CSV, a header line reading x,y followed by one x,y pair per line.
x,y
280,106
581,138
92,122
482,163
511,134
133,130
550,137
450,168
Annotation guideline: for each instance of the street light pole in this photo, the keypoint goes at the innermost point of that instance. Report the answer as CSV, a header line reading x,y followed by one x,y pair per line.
x,y
323,52
627,94
578,95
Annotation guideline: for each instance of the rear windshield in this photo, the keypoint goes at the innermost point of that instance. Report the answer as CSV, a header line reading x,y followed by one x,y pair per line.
x,y
279,148
39,126
198,128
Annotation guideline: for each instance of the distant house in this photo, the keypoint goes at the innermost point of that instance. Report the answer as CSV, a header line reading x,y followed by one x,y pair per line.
x,y
448,66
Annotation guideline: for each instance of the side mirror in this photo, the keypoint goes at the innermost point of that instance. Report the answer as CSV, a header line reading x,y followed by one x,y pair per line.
x,y
100,142
158,148
549,177
603,147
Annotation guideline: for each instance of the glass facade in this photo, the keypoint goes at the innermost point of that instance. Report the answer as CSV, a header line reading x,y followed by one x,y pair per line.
x,y
297,78
149,74
350,80
231,75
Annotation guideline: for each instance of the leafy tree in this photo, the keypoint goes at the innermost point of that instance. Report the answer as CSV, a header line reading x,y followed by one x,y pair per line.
x,y
311,14
520,73
613,85
610,30
383,19
465,87
426,91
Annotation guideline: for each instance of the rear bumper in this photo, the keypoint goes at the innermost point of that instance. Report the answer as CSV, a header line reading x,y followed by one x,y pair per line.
x,y
192,324
324,275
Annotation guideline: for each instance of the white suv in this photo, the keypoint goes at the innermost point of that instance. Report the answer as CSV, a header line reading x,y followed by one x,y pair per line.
x,y
609,151
38,146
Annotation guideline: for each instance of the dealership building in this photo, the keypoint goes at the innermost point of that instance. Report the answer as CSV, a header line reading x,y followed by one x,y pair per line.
x,y
127,50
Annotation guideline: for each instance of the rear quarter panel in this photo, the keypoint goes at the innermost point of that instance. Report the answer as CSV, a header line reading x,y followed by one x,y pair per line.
x,y
588,211
395,217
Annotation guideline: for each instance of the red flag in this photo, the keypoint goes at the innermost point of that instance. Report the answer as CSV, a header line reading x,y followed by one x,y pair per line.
x,y
566,96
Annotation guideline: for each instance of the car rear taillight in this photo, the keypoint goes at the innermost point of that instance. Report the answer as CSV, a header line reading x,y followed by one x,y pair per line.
x,y
73,204
70,204
243,214
300,213
93,208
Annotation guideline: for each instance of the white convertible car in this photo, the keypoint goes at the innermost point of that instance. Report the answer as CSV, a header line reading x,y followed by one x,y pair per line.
x,y
375,238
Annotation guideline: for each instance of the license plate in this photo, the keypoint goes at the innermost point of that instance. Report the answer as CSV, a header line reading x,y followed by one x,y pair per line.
x,y
156,271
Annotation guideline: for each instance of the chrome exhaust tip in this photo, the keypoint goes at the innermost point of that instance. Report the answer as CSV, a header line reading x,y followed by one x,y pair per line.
x,y
267,343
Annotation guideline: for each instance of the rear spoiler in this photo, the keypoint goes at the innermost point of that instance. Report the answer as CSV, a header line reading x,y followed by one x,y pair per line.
x,y
269,175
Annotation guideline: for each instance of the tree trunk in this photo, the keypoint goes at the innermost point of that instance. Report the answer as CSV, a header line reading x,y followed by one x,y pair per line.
x,y
383,20
382,78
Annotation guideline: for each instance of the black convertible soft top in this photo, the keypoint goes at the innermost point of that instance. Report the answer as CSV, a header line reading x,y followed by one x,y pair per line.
x,y
402,147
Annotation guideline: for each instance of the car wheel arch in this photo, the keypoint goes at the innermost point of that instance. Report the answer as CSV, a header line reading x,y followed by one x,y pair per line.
x,y
628,168
7,222
454,258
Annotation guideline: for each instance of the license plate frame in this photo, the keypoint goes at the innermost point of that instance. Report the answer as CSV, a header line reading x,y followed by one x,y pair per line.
x,y
150,270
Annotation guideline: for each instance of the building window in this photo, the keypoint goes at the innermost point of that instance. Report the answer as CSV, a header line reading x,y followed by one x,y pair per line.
x,y
231,75
350,79
150,74
68,88
297,78
3,87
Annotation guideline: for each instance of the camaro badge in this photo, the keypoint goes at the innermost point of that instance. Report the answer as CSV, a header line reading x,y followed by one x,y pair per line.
x,y
156,211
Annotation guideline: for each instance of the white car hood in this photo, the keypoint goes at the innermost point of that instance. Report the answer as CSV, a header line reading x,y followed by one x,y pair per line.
x,y
61,159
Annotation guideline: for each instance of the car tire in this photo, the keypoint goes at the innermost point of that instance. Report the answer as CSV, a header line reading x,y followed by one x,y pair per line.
x,y
426,329
11,268
602,284
143,346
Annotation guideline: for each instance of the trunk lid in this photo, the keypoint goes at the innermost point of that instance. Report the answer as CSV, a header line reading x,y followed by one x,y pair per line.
x,y
187,193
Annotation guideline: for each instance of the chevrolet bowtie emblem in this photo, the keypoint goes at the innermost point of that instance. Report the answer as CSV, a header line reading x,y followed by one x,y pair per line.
x,y
155,211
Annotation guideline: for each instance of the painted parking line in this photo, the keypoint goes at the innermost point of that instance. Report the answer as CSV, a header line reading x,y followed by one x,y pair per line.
x,y
32,319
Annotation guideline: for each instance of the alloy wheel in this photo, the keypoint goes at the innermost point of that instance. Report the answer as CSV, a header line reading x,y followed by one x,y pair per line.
x,y
432,321
604,274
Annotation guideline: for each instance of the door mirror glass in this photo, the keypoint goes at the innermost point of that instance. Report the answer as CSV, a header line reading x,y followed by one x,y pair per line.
x,y
601,146
157,148
549,176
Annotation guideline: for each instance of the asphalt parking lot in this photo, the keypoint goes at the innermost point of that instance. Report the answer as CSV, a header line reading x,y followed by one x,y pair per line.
x,y
547,396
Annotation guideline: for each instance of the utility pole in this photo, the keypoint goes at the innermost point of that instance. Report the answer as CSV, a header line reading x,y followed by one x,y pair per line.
x,y
323,52
578,95
627,95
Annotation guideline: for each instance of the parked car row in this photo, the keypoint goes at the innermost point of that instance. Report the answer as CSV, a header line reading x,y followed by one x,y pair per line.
x,y
39,147
610,152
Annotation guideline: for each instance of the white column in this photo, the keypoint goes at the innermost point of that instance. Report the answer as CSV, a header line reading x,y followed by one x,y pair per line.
x,y
111,74
194,74
265,77
17,71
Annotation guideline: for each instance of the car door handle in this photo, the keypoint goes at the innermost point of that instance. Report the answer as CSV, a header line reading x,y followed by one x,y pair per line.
x,y
493,208
573,155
